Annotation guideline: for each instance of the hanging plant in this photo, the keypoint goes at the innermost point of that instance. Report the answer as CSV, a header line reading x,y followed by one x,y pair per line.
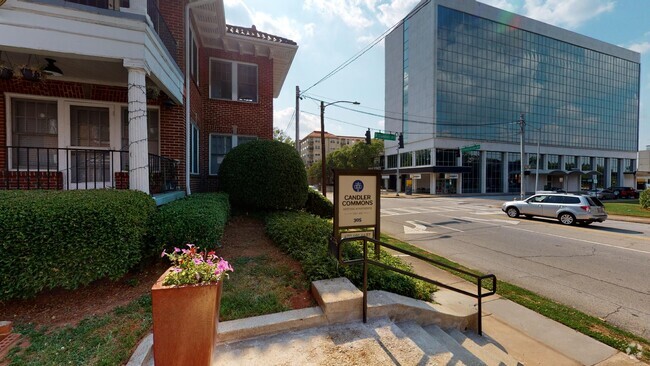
x,y
153,93
6,72
32,73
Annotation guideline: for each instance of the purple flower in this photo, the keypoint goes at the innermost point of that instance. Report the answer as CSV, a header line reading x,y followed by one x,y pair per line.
x,y
163,254
176,250
177,269
224,266
198,260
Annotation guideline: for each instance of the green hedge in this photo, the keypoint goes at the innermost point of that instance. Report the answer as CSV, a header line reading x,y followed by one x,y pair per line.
x,y
199,219
644,198
264,174
305,238
318,204
51,239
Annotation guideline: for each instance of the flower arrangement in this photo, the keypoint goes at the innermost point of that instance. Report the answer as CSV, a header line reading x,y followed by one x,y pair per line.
x,y
192,267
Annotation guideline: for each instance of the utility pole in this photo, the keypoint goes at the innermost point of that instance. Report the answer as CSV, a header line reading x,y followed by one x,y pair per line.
x,y
522,125
298,119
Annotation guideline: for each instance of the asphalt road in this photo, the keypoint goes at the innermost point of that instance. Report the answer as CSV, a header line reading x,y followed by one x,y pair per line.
x,y
602,269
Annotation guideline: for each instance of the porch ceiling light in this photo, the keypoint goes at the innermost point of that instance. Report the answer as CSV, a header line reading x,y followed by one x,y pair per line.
x,y
51,68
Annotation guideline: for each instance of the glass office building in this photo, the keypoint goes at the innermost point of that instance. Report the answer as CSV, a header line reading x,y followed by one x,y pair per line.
x,y
463,75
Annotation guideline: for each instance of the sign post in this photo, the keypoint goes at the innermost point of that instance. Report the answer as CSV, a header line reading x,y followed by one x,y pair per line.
x,y
356,204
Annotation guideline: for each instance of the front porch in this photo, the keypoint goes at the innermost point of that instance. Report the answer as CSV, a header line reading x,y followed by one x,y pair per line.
x,y
29,168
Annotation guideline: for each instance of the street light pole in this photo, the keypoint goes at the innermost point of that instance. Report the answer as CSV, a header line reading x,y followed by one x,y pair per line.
x,y
522,124
323,164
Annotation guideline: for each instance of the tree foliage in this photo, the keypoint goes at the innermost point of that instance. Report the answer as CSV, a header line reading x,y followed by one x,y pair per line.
x,y
279,135
357,156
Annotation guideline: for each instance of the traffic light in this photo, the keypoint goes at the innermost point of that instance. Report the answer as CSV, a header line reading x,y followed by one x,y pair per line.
x,y
400,140
368,137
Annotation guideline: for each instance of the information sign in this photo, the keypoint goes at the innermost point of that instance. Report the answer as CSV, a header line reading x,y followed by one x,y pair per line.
x,y
384,136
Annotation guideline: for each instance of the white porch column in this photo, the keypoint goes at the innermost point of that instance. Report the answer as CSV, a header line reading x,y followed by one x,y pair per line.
x,y
138,144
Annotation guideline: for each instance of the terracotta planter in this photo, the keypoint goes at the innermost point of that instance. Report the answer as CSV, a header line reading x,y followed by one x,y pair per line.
x,y
185,321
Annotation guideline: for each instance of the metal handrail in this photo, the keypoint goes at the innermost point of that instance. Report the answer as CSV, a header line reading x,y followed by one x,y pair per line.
x,y
378,244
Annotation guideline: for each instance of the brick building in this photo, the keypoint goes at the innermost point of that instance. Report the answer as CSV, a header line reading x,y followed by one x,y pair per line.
x,y
93,92
310,149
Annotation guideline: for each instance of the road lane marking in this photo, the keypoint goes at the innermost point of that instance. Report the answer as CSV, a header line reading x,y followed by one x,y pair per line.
x,y
510,222
416,229
581,240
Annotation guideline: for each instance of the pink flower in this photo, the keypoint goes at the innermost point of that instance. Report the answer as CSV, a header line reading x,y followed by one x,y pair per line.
x,y
163,254
198,260
177,269
224,266
176,250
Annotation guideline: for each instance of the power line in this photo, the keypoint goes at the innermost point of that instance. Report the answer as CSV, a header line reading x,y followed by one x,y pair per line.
x,y
365,49
290,120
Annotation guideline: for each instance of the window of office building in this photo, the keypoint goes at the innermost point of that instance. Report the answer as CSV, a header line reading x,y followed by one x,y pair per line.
x,y
514,172
553,162
423,157
586,180
585,163
629,165
391,162
613,166
406,159
446,157
494,172
472,179
570,162
488,72
600,168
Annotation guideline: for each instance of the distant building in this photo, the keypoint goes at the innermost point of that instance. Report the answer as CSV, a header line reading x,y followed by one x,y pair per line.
x,y
460,73
310,149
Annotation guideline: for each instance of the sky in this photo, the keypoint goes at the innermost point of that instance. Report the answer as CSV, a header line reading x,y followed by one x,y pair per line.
x,y
330,33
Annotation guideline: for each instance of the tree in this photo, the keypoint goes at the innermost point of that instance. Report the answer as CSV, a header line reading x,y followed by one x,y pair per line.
x,y
357,156
279,135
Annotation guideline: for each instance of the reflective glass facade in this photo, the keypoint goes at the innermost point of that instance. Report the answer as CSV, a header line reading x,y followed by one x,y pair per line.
x,y
488,73
472,180
494,176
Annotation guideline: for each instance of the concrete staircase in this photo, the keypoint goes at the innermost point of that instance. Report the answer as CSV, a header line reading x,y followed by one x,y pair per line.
x,y
381,341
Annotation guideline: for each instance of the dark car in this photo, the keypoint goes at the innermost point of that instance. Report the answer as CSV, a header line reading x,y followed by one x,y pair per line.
x,y
624,192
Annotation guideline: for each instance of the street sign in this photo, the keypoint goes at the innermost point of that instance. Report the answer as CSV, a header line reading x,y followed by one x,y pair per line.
x,y
384,136
416,176
354,234
470,148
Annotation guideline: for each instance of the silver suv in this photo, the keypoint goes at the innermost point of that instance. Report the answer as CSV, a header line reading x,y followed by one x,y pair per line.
x,y
567,208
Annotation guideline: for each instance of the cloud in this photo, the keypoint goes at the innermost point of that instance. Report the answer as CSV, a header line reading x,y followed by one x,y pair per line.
x,y
391,13
351,12
566,13
365,40
642,47
308,124
239,13
502,4
281,119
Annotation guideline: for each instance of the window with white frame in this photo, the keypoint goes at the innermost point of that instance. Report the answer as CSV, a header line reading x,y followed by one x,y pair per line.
x,y
194,149
233,81
220,145
153,131
34,124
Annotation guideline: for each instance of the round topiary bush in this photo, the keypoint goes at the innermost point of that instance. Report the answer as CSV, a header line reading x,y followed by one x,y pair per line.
x,y
644,198
264,174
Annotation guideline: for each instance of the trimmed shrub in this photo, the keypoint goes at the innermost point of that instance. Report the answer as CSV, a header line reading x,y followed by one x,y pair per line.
x,y
644,198
199,219
305,238
318,204
264,174
51,239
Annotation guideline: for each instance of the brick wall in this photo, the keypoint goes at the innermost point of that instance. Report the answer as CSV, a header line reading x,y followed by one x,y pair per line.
x,y
31,180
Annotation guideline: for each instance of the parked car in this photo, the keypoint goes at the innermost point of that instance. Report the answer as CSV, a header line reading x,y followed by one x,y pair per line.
x,y
624,192
567,208
602,194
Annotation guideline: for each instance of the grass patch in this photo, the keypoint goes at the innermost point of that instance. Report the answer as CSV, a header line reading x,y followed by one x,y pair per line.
x,y
575,319
98,340
626,208
259,286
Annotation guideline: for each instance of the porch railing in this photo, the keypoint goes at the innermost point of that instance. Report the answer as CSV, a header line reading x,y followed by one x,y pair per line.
x,y
28,168
160,26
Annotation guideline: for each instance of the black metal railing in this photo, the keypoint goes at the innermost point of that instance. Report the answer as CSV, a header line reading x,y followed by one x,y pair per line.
x,y
336,249
28,168
102,4
160,26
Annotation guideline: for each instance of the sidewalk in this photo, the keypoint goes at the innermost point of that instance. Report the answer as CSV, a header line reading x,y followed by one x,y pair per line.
x,y
532,338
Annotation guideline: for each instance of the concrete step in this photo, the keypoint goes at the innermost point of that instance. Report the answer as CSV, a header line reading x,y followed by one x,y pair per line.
x,y
352,343
454,347
483,348
399,346
431,346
